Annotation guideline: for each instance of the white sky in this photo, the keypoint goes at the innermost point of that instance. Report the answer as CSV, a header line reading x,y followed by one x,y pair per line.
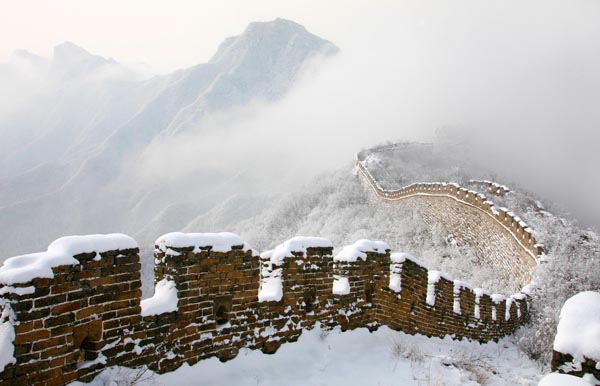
x,y
165,34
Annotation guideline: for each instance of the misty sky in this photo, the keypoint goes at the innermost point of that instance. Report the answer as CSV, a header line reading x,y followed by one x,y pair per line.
x,y
522,76
167,34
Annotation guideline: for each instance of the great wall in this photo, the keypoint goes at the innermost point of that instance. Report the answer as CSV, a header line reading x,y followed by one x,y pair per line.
x,y
498,236
71,319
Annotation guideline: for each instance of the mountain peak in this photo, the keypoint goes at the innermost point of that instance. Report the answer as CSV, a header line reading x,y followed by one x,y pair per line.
x,y
70,51
71,60
278,24
271,37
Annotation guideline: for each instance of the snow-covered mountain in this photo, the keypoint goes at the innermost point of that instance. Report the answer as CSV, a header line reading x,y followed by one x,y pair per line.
x,y
83,120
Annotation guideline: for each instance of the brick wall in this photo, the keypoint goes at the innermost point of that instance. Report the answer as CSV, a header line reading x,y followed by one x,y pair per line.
x,y
491,187
492,244
63,324
89,316
498,236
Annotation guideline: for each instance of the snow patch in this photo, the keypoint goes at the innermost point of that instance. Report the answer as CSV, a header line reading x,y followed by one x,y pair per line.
x,y
101,360
24,268
496,299
271,287
401,257
355,357
456,292
7,348
479,292
17,290
74,245
556,379
351,253
432,278
508,304
578,330
528,289
341,286
296,244
164,299
220,242
395,283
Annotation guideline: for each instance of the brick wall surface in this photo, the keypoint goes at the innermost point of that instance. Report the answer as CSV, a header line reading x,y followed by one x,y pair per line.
x,y
88,316
492,243
498,236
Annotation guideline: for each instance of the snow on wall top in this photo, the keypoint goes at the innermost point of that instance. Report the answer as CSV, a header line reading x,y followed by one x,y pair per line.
x,y
555,379
220,242
296,244
578,330
74,245
434,276
353,252
24,268
164,299
401,257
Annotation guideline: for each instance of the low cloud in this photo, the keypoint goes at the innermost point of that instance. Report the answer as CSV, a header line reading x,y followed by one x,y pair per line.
x,y
520,79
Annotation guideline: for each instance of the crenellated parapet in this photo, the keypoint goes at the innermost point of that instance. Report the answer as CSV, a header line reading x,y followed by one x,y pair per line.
x,y
522,233
491,187
83,312
497,235
359,273
206,305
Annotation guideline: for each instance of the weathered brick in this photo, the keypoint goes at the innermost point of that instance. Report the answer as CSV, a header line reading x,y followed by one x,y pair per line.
x,y
59,320
32,336
66,307
88,311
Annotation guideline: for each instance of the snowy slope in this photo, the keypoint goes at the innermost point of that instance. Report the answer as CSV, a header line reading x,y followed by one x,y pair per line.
x,y
354,358
262,62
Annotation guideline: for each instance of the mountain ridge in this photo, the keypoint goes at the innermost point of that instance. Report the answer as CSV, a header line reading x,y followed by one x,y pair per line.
x,y
86,130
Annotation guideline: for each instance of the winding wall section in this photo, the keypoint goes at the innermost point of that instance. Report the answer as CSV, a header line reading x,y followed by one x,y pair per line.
x,y
498,236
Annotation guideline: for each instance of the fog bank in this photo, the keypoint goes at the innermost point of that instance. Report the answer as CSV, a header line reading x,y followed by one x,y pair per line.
x,y
518,81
